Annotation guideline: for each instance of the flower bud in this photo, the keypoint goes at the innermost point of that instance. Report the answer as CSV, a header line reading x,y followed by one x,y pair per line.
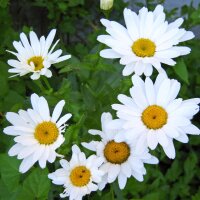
x,y
106,4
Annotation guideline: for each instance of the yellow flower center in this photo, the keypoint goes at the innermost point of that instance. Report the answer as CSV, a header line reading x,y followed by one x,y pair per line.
x,y
37,61
116,153
144,48
46,133
154,117
80,176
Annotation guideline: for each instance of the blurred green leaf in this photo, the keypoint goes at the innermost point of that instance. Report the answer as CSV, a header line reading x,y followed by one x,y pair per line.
x,y
9,169
174,171
181,70
4,3
36,185
7,194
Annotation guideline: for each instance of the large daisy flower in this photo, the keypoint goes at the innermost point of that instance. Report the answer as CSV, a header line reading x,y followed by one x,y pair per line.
x,y
121,159
35,57
79,176
153,115
37,134
148,40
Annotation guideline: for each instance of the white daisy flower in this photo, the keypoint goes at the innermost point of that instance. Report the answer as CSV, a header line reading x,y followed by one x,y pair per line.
x,y
79,176
37,134
35,57
153,115
121,160
148,40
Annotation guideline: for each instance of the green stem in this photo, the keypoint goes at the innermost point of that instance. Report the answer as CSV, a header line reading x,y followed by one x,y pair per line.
x,y
107,13
112,192
40,85
47,84
117,191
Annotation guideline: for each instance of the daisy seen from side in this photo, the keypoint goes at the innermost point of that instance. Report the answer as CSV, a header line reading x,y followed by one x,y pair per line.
x,y
36,56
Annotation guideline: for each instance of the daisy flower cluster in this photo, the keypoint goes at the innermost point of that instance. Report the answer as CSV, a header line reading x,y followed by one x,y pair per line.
x,y
151,115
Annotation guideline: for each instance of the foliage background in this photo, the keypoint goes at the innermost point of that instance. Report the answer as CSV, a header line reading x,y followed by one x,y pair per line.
x,y
89,84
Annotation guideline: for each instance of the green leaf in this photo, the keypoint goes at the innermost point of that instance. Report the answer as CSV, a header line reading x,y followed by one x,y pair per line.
x,y
7,194
76,3
3,79
190,166
108,196
9,169
181,70
196,196
153,196
36,185
12,101
174,171
118,191
4,3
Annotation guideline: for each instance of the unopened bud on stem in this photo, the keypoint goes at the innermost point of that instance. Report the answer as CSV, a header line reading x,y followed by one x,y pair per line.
x,y
106,4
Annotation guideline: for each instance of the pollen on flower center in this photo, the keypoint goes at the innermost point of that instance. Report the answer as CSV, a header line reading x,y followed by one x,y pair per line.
x,y
80,176
46,133
37,61
116,153
144,48
154,117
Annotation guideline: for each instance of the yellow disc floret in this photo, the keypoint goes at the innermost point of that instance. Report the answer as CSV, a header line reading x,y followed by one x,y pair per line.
x,y
144,48
154,117
37,61
46,133
80,176
116,153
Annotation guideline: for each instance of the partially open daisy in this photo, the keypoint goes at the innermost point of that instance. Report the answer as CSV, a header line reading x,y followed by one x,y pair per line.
x,y
35,57
148,40
121,159
79,176
37,134
153,115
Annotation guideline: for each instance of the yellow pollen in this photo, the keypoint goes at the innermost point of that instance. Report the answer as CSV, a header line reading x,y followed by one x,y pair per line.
x,y
80,176
46,133
154,117
116,153
144,48
37,61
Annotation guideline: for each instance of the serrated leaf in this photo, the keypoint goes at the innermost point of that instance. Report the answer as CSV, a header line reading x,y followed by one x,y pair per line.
x,y
190,166
174,171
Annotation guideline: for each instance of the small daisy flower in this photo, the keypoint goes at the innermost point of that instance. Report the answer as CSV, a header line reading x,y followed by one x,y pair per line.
x,y
146,42
37,134
121,160
153,115
35,57
79,176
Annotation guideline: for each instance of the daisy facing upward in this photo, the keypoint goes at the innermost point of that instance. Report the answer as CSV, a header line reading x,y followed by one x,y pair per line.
x,y
153,115
35,56
37,134
146,42
79,176
120,159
